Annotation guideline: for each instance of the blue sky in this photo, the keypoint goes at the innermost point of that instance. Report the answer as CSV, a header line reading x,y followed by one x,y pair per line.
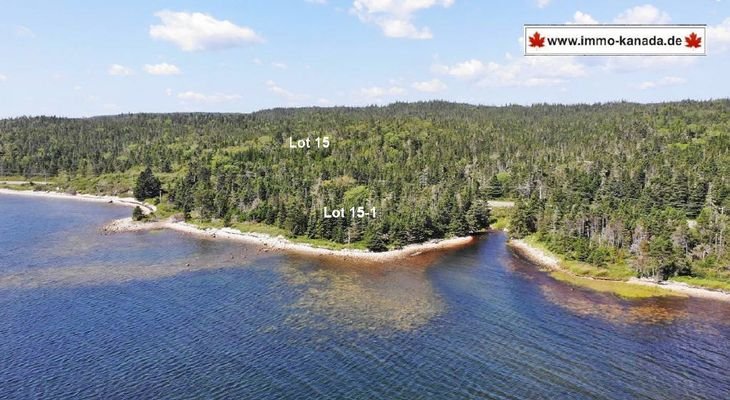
x,y
81,58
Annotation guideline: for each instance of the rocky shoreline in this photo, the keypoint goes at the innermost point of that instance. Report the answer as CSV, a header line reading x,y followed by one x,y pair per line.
x,y
545,260
278,243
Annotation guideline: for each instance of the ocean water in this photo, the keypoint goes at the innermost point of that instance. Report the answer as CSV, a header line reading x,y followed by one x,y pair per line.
x,y
158,315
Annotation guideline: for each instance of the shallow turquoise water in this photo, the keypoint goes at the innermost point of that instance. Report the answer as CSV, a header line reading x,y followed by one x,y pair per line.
x,y
163,315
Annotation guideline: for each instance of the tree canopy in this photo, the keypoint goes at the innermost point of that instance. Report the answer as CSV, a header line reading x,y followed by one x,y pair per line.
x,y
597,182
147,185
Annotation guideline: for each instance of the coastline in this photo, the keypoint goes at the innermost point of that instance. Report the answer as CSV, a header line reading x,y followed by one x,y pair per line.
x,y
545,260
534,254
280,243
682,287
123,201
269,242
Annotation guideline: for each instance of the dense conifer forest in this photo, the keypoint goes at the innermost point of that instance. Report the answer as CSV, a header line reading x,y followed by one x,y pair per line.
x,y
644,185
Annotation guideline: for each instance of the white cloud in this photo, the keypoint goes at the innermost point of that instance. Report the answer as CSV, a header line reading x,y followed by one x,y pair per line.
x,y
378,94
3,78
198,31
119,70
257,61
551,71
279,65
162,69
532,72
666,81
465,70
207,98
583,18
431,86
24,32
543,3
630,64
719,35
283,93
646,14
524,71
395,17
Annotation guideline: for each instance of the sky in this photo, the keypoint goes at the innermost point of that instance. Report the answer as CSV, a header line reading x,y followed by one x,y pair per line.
x,y
84,58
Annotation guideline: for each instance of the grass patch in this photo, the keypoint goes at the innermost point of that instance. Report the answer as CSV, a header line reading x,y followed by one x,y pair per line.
x,y
16,187
26,187
326,244
500,218
609,279
622,289
532,241
615,271
255,227
245,227
114,184
499,223
709,283
165,210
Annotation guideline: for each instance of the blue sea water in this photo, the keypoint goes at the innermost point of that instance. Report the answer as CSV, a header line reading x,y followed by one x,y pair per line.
x,y
85,314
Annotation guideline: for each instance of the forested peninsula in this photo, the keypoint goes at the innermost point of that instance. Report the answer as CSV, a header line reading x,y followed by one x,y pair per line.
x,y
616,189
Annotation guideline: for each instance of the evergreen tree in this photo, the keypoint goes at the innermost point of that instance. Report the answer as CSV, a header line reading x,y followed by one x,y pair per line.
x,y
147,186
660,249
477,217
696,199
374,239
458,225
494,188
137,214
679,192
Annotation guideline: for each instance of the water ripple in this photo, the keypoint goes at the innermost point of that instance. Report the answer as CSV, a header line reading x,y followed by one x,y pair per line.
x,y
167,316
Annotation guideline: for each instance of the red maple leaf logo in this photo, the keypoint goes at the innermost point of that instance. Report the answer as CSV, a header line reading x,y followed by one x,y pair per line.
x,y
693,41
536,40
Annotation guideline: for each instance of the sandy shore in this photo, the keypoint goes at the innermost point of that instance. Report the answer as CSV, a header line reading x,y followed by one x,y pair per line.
x,y
534,254
124,201
269,242
682,287
546,260
280,243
